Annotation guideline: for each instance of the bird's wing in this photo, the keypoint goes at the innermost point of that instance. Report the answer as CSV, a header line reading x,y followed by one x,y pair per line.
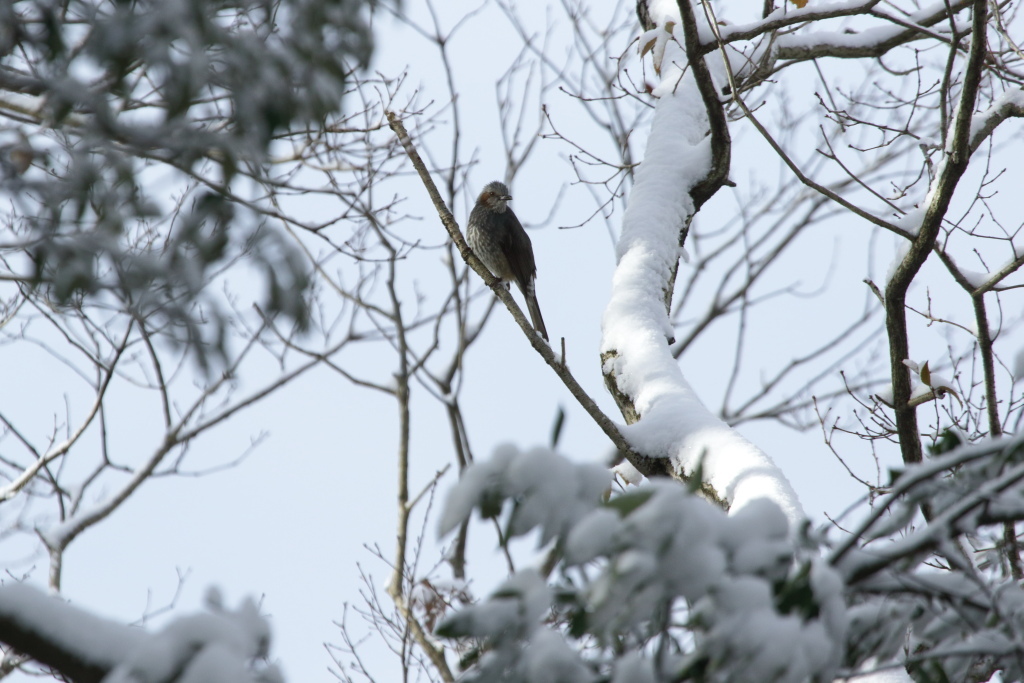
x,y
518,250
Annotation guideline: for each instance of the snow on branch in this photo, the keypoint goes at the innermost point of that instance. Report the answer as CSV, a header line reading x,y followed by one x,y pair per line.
x,y
629,569
219,646
1009,104
657,584
872,41
672,422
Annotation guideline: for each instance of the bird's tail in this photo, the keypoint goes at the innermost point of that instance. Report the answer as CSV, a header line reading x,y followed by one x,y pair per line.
x,y
534,308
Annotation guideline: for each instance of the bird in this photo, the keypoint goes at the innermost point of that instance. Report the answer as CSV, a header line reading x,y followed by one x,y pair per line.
x,y
497,238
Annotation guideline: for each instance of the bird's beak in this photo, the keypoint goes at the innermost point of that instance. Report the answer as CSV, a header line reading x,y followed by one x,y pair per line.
x,y
507,197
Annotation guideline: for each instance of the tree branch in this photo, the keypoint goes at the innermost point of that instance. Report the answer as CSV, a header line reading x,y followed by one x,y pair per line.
x,y
952,167
721,143
647,465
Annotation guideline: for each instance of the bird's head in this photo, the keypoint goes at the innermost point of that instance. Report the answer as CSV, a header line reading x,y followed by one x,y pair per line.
x,y
494,196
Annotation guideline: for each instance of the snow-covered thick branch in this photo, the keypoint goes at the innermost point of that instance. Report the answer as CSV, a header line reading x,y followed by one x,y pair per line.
x,y
672,421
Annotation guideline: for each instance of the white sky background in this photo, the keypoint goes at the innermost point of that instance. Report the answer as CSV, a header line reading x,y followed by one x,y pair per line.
x,y
289,524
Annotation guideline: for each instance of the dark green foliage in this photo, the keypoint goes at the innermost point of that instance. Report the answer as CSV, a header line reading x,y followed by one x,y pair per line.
x,y
795,595
169,89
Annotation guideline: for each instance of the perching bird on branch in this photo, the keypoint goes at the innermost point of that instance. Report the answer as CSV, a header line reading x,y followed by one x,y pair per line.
x,y
498,239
